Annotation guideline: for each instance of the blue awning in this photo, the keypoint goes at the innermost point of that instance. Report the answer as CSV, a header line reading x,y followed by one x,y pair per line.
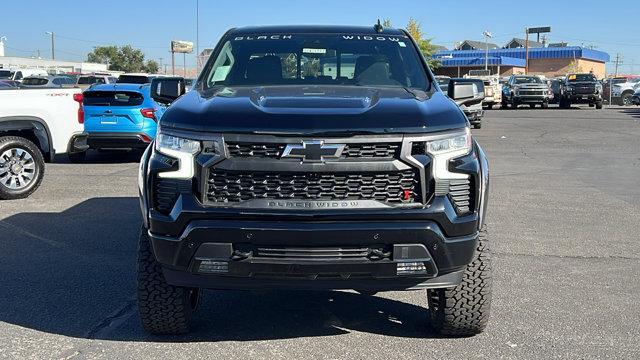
x,y
480,60
568,52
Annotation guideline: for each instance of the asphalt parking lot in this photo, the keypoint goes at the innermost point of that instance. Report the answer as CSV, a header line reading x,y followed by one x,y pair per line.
x,y
565,204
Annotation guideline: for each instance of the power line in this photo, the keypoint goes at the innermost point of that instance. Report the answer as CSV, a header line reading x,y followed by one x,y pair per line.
x,y
103,42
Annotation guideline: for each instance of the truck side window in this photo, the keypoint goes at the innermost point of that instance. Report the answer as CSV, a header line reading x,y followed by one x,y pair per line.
x,y
18,75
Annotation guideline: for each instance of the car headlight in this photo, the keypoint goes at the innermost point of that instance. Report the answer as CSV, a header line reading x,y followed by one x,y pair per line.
x,y
179,148
442,150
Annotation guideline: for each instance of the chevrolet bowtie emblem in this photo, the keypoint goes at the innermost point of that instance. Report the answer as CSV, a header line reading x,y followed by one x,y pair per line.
x,y
313,151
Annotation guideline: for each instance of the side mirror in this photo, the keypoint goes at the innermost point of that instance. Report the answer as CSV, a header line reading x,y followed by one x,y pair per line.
x,y
465,93
166,90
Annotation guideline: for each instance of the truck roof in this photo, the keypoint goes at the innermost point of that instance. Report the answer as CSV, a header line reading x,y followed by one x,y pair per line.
x,y
313,29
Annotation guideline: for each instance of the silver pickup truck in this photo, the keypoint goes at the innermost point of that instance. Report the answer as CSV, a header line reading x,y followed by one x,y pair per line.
x,y
525,89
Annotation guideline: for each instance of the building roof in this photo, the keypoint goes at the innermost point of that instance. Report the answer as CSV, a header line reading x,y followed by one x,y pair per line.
x,y
439,47
478,45
480,60
568,52
302,29
521,43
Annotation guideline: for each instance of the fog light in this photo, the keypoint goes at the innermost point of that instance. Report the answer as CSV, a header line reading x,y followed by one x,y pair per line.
x,y
210,266
410,268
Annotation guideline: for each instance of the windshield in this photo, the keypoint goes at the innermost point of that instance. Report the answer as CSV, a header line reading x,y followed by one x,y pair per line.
x,y
5,74
581,77
90,80
316,59
35,81
133,79
528,80
112,98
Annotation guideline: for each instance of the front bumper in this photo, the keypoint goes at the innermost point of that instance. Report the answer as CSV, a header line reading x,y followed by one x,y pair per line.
x,y
531,99
584,98
311,255
118,140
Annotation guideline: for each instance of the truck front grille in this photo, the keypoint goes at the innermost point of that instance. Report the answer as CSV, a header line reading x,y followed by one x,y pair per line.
x,y
531,92
274,150
584,89
237,186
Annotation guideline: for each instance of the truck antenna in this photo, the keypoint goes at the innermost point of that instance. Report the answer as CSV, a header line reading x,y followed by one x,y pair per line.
x,y
378,27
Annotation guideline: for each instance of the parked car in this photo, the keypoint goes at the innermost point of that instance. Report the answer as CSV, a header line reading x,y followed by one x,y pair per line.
x,y
9,84
581,89
35,125
555,86
623,92
525,89
84,81
6,74
119,116
473,111
635,100
443,82
19,74
607,84
262,178
47,81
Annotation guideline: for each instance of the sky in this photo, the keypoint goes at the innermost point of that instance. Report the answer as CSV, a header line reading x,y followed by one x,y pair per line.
x,y
151,25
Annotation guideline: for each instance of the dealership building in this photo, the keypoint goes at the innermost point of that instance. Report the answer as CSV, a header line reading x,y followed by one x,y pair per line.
x,y
549,61
52,66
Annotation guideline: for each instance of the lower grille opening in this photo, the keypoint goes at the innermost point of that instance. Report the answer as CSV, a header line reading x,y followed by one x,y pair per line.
x,y
374,253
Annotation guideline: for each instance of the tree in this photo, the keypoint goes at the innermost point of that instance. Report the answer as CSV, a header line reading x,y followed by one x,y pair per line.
x,y
426,47
152,67
124,58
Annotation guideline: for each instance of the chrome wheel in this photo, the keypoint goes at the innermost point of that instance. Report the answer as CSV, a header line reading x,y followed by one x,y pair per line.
x,y
17,169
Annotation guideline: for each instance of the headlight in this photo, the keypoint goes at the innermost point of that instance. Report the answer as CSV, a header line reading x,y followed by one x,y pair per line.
x,y
178,148
168,145
442,151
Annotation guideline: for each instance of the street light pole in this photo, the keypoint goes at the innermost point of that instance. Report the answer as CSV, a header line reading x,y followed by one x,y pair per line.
x,y
487,35
53,45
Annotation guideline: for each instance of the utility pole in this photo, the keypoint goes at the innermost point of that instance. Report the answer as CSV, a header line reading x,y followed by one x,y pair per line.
x,y
526,51
487,35
161,65
197,37
618,62
53,45
173,62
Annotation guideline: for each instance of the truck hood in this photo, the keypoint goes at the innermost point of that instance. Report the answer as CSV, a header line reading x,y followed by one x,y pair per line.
x,y
307,110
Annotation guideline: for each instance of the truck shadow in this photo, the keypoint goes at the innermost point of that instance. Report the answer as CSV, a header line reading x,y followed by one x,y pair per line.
x,y
633,112
73,273
106,157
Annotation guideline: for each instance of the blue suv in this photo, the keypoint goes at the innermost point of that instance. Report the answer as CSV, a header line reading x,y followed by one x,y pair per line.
x,y
118,116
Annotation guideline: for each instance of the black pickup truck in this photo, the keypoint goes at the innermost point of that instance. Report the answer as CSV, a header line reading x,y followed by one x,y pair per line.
x,y
581,89
314,157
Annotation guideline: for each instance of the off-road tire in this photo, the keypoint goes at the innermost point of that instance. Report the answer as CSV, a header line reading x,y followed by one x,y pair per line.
x,y
532,106
163,308
77,158
545,105
599,105
8,142
464,310
477,126
626,99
